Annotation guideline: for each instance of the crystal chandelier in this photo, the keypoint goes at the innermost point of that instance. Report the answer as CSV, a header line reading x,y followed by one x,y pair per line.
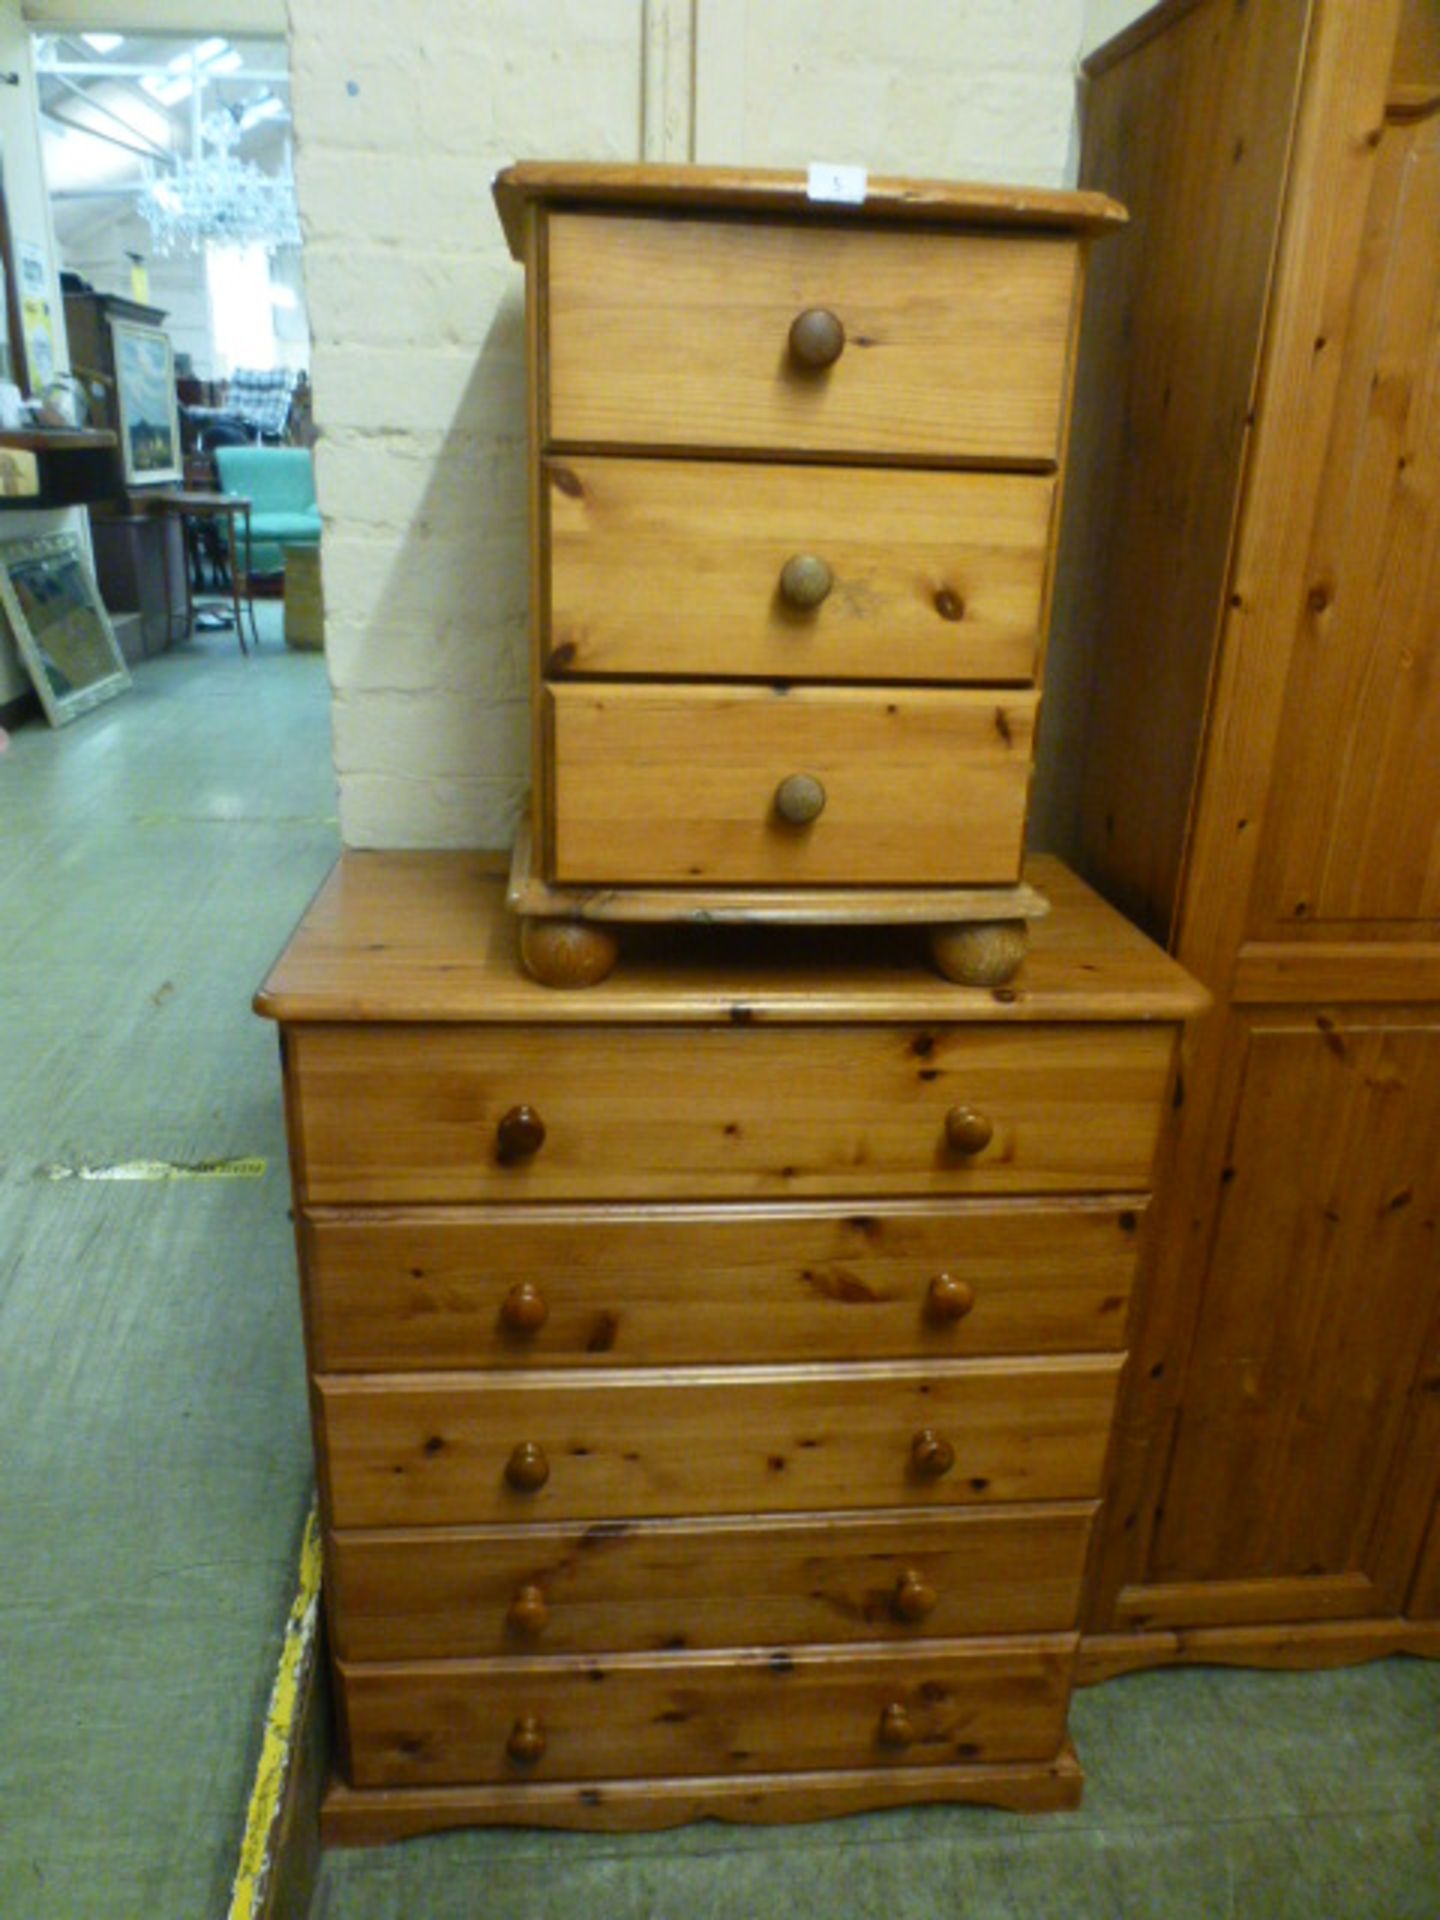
x,y
218,199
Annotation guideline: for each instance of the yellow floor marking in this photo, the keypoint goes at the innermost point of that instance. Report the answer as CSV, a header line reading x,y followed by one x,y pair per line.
x,y
252,1167
281,1728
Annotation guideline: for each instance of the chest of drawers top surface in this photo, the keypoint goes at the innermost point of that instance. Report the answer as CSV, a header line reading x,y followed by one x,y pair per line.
x,y
419,938
785,190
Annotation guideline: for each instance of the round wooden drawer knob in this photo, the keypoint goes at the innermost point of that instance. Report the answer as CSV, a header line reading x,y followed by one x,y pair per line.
x,y
527,1469
896,1728
967,1130
948,1299
914,1596
817,339
804,581
524,1309
800,799
527,1740
520,1134
529,1612
931,1454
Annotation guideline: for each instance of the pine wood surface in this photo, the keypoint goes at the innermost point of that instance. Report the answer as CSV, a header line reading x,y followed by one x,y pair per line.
x,y
537,282
1416,66
920,787
638,1715
785,190
395,1114
1217,1358
1193,128
432,1449
588,908
674,334
352,1818
304,599
1322,1291
1324,972
1278,1599
1291,1647
667,1585
672,568
1424,1600
1339,132
664,1286
403,937
1353,831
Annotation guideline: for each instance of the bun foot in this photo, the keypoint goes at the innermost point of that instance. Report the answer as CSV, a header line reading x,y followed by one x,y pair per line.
x,y
567,953
980,953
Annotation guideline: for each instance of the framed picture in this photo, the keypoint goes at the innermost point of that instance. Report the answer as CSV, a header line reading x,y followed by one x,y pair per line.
x,y
61,629
149,415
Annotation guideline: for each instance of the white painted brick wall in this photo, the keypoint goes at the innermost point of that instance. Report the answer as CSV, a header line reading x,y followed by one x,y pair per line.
x,y
402,115
959,89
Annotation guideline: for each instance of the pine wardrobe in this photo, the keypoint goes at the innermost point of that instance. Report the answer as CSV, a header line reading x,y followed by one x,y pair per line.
x,y
1244,755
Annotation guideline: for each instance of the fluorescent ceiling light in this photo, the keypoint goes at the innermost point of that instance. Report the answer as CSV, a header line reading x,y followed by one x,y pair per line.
x,y
209,50
272,107
168,92
103,42
227,63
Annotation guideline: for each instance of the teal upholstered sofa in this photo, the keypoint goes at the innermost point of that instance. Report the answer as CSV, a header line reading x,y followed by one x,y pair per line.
x,y
280,483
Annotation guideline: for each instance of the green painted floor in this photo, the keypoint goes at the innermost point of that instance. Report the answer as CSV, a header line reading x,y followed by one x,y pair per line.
x,y
153,857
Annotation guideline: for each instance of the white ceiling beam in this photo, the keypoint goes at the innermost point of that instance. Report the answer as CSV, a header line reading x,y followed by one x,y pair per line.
x,y
134,70
141,144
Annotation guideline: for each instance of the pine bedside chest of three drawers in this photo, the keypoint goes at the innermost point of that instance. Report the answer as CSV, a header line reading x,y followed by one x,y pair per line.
x,y
795,475
712,1373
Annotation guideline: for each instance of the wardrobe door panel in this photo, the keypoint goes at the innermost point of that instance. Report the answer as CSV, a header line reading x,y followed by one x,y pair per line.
x,y
1310,1418
1354,828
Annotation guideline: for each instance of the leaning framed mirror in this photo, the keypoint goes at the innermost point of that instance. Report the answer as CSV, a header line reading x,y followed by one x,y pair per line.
x,y
59,625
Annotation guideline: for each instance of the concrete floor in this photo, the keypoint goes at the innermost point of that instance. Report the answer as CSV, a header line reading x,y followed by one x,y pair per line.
x,y
152,1426
153,858
1211,1796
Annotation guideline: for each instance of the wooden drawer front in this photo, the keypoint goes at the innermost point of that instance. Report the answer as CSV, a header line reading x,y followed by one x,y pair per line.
x,y
440,1449
411,1113
636,1586
673,567
761,1712
674,333
679,784
636,1286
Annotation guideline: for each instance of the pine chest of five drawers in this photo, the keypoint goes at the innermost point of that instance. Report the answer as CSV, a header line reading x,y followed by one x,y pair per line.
x,y
712,1380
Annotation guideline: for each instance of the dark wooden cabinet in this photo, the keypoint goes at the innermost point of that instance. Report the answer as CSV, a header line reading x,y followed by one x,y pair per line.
x,y
133,553
92,350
